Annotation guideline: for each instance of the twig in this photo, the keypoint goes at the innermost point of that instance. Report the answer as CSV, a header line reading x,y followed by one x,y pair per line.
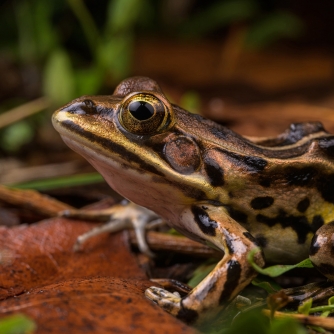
x,y
33,200
180,244
311,320
23,111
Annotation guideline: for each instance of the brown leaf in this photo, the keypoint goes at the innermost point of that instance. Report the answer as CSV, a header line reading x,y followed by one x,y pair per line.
x,y
99,290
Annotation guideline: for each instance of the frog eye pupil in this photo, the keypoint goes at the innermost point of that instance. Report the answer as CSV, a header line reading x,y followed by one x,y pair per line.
x,y
141,110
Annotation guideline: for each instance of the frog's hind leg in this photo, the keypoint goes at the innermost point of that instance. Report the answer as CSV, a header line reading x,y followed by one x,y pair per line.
x,y
322,250
230,275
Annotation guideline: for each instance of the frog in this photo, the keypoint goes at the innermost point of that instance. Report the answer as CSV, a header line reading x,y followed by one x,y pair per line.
x,y
273,196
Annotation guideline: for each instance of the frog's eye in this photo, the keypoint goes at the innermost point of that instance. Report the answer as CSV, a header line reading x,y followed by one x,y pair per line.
x,y
141,110
143,114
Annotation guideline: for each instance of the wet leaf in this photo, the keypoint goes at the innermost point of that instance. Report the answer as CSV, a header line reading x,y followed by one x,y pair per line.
x,y
276,270
305,307
269,285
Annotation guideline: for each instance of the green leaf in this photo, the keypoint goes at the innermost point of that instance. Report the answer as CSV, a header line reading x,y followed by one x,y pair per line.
x,y
191,101
122,14
61,182
115,55
269,285
286,326
318,329
87,23
89,80
15,135
45,34
26,40
323,308
17,324
59,78
201,272
305,307
219,14
273,27
277,270
252,322
331,301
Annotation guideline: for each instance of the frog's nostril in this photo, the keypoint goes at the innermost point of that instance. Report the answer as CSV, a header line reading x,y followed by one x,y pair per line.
x,y
88,106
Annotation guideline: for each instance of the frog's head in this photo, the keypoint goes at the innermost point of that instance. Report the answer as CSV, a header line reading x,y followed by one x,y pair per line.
x,y
139,142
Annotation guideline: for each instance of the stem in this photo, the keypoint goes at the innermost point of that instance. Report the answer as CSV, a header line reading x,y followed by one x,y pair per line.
x,y
87,23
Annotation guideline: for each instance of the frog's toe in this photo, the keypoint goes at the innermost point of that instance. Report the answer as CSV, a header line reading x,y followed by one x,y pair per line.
x,y
170,302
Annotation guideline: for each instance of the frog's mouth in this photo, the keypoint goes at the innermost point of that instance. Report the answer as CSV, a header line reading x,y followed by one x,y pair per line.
x,y
113,150
112,153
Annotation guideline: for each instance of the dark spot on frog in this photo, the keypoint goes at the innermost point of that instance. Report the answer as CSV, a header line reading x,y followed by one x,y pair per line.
x,y
249,163
215,202
309,177
190,235
187,315
303,205
189,191
214,172
259,203
327,146
237,215
325,185
250,237
317,222
298,223
261,241
113,147
232,280
300,176
206,225
265,182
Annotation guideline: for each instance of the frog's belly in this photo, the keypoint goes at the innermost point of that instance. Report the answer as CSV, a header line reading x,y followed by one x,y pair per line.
x,y
280,245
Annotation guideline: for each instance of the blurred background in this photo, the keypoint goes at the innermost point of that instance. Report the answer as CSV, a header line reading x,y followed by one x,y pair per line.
x,y
254,65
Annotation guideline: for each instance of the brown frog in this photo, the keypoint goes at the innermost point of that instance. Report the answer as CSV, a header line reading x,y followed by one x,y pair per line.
x,y
210,184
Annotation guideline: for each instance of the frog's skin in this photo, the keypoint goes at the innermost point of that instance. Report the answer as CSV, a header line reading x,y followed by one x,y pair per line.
x,y
210,183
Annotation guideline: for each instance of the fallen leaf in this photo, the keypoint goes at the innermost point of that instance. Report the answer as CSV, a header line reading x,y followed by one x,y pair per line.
x,y
98,290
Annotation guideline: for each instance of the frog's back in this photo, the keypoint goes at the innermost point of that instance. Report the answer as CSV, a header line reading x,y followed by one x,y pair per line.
x,y
280,190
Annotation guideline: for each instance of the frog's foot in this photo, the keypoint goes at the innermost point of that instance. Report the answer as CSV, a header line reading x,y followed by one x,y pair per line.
x,y
170,302
125,215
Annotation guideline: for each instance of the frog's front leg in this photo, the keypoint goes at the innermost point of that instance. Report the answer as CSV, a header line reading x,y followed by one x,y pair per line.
x,y
230,275
125,215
